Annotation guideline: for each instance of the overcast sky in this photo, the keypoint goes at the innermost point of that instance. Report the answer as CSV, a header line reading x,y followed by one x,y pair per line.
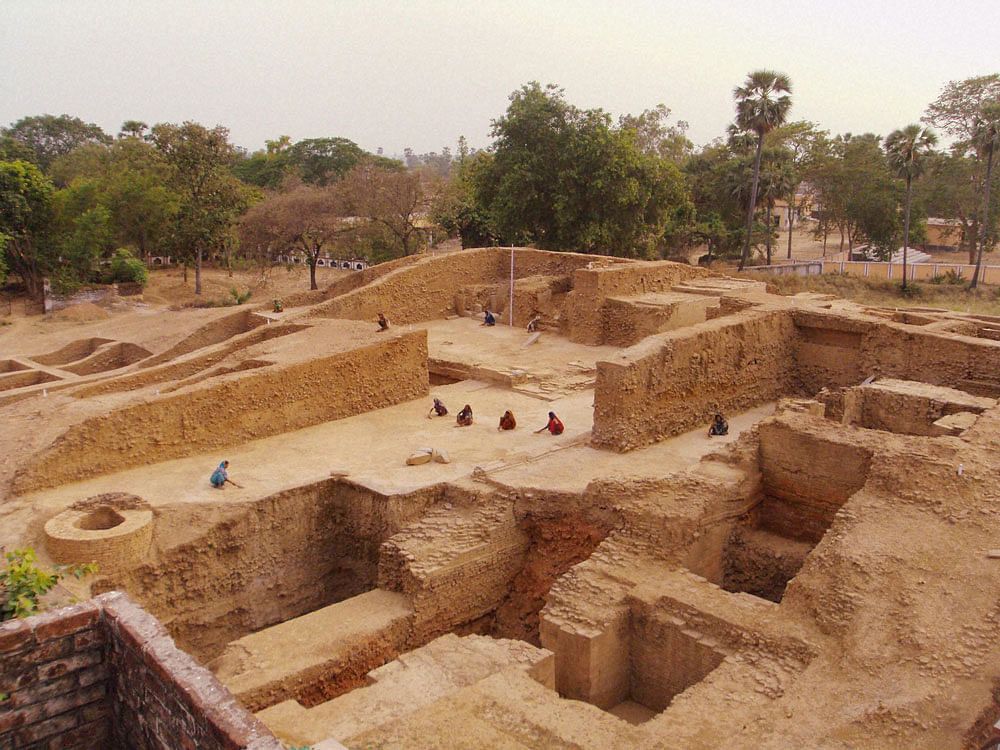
x,y
420,73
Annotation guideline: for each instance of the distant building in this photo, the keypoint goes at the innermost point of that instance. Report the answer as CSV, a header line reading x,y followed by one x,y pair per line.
x,y
324,261
943,234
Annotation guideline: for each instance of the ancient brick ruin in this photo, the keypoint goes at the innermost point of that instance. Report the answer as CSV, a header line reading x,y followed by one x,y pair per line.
x,y
823,576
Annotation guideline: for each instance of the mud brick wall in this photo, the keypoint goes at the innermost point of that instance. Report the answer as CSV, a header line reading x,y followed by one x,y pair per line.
x,y
52,666
104,673
674,382
426,290
453,571
593,286
807,478
260,404
834,350
666,657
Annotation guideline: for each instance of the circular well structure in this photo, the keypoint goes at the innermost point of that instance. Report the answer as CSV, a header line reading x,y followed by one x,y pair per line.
x,y
112,537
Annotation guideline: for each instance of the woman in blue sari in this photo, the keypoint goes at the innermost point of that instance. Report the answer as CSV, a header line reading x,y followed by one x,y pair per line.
x,y
220,476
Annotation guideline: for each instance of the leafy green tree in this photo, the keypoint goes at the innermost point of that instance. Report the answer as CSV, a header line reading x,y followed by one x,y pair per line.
x,y
565,179
958,112
23,582
86,161
321,161
460,210
775,182
125,267
133,129
136,189
986,140
25,213
805,142
199,162
907,150
762,104
80,233
47,137
719,179
654,137
857,192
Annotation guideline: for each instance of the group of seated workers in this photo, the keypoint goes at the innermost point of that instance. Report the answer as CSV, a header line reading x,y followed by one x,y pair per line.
x,y
507,421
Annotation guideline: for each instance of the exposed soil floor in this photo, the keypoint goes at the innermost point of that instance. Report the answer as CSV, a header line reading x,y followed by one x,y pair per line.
x,y
884,630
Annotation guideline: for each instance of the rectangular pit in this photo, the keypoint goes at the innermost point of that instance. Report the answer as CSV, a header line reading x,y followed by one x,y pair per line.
x,y
665,659
24,379
9,365
805,479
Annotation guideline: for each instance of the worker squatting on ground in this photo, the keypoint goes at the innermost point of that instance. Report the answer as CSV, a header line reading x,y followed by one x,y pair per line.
x,y
507,421
220,476
488,319
719,426
464,418
554,425
383,322
438,410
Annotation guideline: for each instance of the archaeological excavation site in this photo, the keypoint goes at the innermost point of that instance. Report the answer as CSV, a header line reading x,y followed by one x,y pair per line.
x,y
823,576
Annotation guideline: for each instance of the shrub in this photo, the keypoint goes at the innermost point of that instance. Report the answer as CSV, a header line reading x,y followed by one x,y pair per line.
x,y
125,268
910,291
23,583
239,298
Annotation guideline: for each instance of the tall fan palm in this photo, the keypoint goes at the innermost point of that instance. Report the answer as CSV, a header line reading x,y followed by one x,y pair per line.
x,y
987,140
762,104
906,150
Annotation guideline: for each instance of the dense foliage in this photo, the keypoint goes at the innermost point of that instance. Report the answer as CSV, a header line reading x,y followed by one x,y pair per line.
x,y
80,206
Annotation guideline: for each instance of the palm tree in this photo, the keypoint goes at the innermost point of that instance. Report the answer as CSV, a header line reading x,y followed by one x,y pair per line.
x,y
906,150
762,103
986,139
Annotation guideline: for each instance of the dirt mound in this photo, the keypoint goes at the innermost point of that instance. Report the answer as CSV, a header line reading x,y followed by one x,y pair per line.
x,y
82,312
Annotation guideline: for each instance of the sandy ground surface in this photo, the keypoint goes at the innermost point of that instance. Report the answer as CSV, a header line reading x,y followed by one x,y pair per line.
x,y
359,447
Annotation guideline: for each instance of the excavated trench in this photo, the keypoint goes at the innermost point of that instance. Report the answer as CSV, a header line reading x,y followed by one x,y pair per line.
x,y
805,480
220,572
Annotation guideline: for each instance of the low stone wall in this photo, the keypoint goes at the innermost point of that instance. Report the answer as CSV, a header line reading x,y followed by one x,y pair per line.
x,y
262,403
104,673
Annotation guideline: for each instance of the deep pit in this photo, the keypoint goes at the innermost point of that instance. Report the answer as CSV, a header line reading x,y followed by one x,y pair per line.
x,y
100,519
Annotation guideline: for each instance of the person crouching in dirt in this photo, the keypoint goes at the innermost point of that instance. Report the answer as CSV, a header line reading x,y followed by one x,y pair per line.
x,y
719,426
488,319
464,418
438,410
383,323
554,425
220,476
533,323
507,421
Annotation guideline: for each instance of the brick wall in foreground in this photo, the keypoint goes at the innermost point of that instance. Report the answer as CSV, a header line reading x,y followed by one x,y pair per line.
x,y
105,674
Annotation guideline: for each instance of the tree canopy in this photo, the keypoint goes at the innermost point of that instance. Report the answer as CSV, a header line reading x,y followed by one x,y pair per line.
x,y
567,179
43,138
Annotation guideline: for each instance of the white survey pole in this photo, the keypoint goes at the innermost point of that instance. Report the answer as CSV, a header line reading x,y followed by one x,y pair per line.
x,y
511,286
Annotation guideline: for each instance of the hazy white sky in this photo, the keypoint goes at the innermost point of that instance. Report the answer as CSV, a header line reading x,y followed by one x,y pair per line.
x,y
420,73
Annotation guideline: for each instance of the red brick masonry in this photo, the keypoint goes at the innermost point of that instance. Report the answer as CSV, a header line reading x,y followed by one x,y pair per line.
x,y
105,674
